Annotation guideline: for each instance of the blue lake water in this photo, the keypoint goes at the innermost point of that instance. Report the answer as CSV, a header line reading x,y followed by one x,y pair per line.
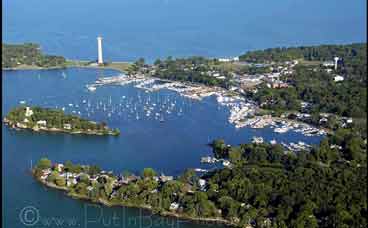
x,y
169,147
149,29
160,28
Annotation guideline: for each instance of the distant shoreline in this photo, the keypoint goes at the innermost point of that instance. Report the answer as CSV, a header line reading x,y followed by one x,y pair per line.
x,y
119,66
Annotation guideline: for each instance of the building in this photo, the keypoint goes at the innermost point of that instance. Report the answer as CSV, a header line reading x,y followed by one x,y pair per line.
x,y
338,78
59,167
99,44
67,126
164,178
279,85
202,184
224,60
174,206
41,122
328,64
29,112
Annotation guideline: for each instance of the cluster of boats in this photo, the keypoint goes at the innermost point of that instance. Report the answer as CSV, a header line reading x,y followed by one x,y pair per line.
x,y
157,107
296,147
242,111
302,128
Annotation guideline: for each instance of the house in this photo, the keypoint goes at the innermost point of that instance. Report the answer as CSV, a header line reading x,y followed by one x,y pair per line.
x,y
328,70
20,125
279,85
71,181
226,163
174,206
328,64
67,126
223,60
41,122
236,59
202,184
156,178
338,78
29,112
323,120
59,167
164,178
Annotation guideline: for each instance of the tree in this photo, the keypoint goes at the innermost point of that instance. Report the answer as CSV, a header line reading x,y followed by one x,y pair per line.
x,y
219,148
140,62
93,170
149,173
44,163
54,175
60,181
189,176
235,154
157,62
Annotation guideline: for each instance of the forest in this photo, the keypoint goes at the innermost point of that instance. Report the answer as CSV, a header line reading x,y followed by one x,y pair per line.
x,y
55,119
28,54
353,56
265,186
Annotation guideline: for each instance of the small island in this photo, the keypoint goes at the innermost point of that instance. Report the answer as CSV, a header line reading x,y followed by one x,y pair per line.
x,y
45,119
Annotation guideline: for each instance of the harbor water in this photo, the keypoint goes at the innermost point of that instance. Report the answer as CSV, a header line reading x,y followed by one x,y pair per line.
x,y
173,137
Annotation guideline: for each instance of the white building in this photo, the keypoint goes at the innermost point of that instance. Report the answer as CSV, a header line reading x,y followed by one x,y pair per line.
x,y
224,60
29,112
174,206
328,64
338,78
41,122
99,44
67,126
202,183
59,167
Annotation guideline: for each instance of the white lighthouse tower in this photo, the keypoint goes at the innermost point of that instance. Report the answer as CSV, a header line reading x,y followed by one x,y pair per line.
x,y
99,44
336,60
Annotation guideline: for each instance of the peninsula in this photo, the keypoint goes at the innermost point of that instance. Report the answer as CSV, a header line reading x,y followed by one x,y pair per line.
x,y
28,56
44,119
261,185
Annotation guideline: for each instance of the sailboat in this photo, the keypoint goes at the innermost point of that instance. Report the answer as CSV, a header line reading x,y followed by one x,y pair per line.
x,y
162,119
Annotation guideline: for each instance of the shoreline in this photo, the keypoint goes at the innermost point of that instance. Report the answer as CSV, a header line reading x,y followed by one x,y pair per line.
x,y
128,205
14,126
119,66
193,93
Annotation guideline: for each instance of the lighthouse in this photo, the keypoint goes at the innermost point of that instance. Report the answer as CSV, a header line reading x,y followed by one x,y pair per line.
x,y
99,44
336,62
